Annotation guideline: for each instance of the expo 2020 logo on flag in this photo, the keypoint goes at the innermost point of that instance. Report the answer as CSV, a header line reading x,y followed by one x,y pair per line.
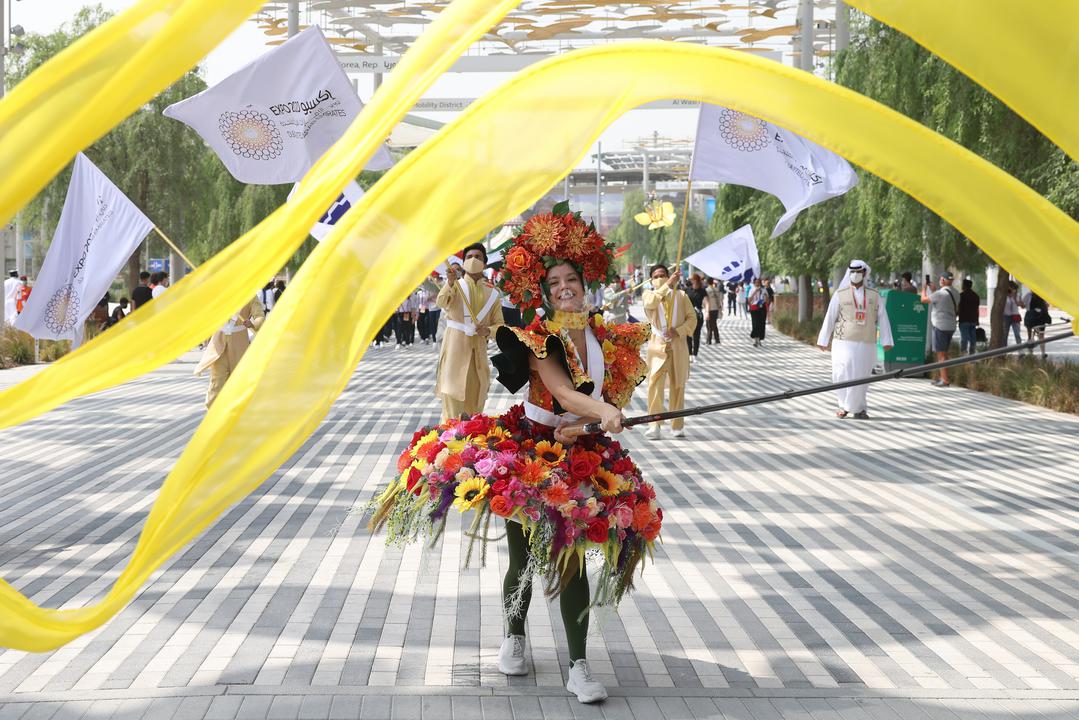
x,y
62,311
743,132
251,134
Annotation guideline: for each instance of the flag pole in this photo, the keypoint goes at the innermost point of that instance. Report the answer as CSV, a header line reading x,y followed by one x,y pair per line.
x,y
685,220
172,245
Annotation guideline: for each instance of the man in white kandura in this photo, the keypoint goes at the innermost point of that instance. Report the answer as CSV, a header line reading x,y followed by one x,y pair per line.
x,y
855,315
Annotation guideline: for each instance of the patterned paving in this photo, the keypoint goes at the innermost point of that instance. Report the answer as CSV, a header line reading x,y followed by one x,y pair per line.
x,y
919,565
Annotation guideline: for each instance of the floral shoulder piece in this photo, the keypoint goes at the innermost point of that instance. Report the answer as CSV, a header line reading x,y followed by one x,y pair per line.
x,y
538,337
624,367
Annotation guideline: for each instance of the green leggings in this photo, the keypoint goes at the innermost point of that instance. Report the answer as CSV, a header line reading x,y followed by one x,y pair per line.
x,y
573,600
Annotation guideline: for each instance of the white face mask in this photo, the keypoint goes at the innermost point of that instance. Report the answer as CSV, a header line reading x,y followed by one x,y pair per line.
x,y
474,266
856,277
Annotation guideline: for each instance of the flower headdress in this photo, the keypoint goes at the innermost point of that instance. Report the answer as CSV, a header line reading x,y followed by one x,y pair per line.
x,y
548,240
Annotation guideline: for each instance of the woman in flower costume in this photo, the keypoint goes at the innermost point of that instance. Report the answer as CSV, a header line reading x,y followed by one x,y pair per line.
x,y
562,494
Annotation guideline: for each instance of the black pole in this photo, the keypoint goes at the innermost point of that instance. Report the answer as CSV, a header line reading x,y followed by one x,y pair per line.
x,y
793,393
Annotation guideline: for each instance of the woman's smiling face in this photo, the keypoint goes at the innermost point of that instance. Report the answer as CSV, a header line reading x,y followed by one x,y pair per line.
x,y
565,288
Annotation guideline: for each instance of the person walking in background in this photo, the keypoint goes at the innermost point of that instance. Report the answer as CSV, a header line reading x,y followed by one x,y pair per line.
x,y
906,284
119,312
713,308
473,313
1012,313
855,315
771,298
616,302
23,296
1036,318
142,293
732,298
969,305
278,290
672,318
757,301
266,296
696,294
11,292
943,311
227,346
405,323
161,285
743,294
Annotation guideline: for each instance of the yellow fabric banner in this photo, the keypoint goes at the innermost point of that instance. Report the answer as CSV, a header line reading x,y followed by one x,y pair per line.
x,y
489,165
198,305
195,307
76,97
1025,53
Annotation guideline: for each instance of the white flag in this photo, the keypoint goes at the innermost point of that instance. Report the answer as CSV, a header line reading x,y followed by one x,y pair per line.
x,y
740,149
99,229
270,121
344,202
732,258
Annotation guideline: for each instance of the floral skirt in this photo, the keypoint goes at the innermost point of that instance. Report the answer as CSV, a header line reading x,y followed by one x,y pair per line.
x,y
585,499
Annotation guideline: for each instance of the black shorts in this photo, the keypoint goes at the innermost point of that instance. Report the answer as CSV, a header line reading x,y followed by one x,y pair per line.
x,y
942,339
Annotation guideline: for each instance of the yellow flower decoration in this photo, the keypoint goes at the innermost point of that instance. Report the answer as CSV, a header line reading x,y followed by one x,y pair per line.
x,y
494,436
608,351
606,482
656,215
550,453
470,493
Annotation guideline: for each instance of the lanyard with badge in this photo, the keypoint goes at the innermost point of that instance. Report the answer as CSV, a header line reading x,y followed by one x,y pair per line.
x,y
859,312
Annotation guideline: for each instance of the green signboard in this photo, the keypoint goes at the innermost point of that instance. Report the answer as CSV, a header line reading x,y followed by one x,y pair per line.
x,y
909,319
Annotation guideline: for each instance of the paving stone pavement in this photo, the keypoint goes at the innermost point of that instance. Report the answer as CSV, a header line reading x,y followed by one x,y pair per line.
x,y
918,565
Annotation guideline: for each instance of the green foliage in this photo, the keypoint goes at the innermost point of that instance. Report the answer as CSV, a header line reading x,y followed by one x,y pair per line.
x,y
876,221
16,347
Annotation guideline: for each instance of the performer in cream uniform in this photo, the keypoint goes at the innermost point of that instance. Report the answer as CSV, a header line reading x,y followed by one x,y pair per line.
x,y
855,315
671,314
473,310
222,354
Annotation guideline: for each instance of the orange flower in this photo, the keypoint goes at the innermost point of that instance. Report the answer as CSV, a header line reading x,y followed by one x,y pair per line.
x,y
501,506
642,515
453,464
605,482
544,233
550,453
534,472
519,260
651,530
557,494
574,239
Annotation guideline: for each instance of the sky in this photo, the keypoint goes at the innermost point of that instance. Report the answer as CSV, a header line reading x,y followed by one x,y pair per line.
x,y
247,43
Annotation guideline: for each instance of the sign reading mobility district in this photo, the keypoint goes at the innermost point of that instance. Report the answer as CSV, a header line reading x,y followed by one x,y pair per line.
x,y
271,120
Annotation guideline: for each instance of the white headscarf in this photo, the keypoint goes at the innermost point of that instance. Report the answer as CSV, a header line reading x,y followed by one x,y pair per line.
x,y
846,276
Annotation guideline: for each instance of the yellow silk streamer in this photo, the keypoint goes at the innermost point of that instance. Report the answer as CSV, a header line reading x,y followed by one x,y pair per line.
x,y
198,305
1025,53
195,307
72,100
489,165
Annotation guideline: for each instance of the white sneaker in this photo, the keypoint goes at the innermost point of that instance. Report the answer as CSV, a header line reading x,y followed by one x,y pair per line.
x,y
511,658
652,433
679,433
692,359
582,684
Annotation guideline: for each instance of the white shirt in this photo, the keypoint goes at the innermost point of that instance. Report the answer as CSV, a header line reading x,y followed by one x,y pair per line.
x,y
158,289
